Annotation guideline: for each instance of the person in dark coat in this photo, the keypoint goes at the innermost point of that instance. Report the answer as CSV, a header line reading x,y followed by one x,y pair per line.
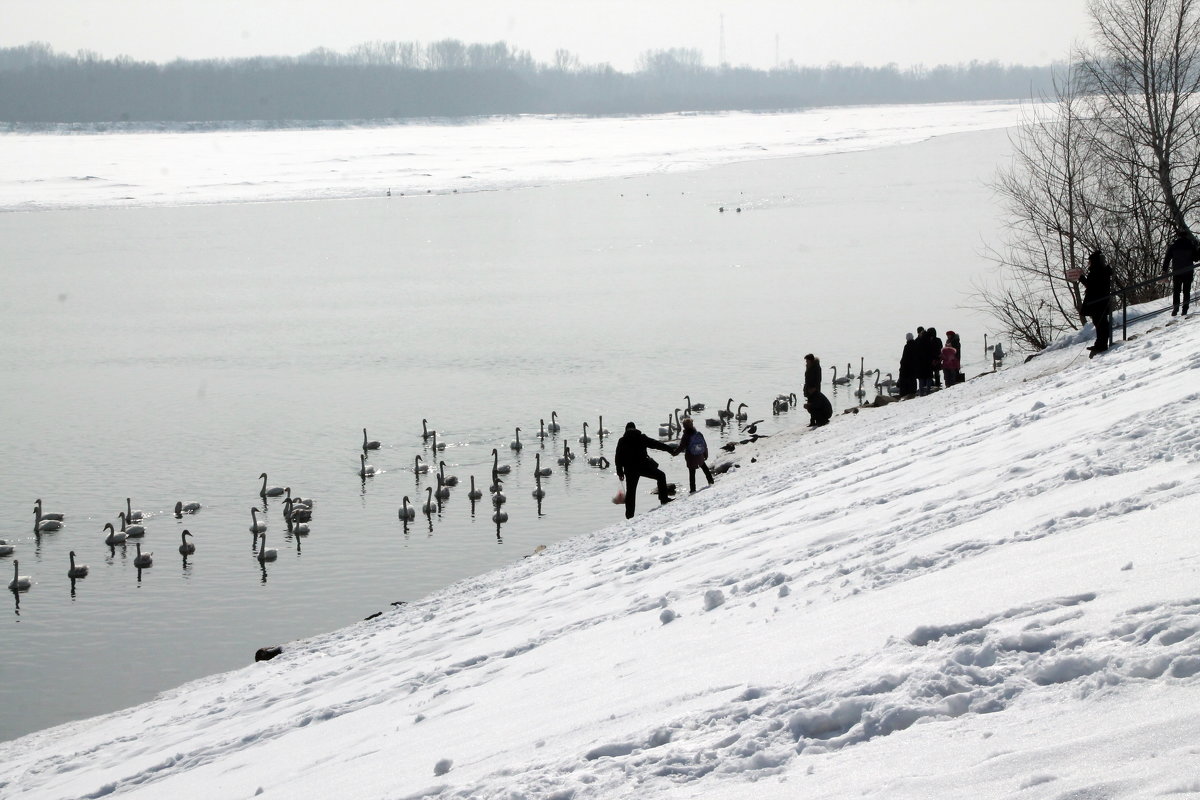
x,y
1179,265
695,453
819,408
633,461
812,376
935,361
1097,301
906,384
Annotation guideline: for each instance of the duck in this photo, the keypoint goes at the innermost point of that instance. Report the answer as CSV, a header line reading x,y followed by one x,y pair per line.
x,y
186,548
142,560
369,444
132,514
19,583
42,525
46,514
265,553
365,470
497,467
515,444
430,505
182,508
741,416
256,527
132,531
842,381
437,446
407,512
425,432
474,494
114,537
77,570
269,491
585,439
449,480
538,470
692,406
419,466
554,427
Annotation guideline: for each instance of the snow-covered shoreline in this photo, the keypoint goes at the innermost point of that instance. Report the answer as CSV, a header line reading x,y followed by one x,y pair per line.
x,y
990,592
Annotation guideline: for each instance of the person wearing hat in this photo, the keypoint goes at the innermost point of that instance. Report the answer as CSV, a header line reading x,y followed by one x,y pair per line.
x,y
1179,267
695,453
951,366
1097,299
633,461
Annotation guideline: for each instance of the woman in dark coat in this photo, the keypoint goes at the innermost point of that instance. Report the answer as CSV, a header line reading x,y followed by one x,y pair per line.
x,y
909,361
1097,300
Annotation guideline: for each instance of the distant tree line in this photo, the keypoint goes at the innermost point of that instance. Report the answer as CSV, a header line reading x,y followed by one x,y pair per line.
x,y
390,80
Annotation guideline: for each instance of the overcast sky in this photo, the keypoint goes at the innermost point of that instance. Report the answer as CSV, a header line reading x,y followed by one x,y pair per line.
x,y
816,32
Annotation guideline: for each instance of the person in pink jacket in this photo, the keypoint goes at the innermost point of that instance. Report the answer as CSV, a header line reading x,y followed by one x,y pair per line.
x,y
951,366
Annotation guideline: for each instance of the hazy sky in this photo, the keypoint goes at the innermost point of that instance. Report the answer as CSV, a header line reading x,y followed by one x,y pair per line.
x,y
615,31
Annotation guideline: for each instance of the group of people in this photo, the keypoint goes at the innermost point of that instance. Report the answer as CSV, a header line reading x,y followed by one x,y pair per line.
x,y
927,362
633,461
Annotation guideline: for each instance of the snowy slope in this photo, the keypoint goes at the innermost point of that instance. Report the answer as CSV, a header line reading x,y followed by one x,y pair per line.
x,y
990,592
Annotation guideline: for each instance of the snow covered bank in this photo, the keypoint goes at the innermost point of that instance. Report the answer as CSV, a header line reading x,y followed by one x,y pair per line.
x,y
990,592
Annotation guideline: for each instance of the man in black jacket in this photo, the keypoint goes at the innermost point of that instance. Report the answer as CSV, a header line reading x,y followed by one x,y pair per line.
x,y
1097,301
1179,264
633,460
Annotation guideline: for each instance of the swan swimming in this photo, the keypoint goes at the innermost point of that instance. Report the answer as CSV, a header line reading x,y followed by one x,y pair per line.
x,y
425,432
538,470
443,491
6,549
182,508
77,570
114,537
474,494
41,525
19,583
132,514
419,466
554,427
142,560
438,446
515,444
265,553
449,480
256,527
187,548
407,512
366,470
46,514
602,431
369,445
269,491
585,439
132,531
497,467
727,412
541,434
741,416
500,516
430,505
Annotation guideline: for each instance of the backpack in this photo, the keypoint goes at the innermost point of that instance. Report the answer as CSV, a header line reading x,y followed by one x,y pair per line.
x,y
696,445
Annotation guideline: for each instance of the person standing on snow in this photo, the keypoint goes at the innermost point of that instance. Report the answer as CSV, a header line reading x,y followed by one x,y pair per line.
x,y
1097,303
695,453
633,460
812,377
950,362
1179,265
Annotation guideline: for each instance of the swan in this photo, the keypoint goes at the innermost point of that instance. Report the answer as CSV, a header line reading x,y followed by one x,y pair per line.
x,y
599,461
299,528
842,381
425,432
497,467
500,516
429,505
565,459
780,404
365,470
186,548
714,423
294,513
541,434
256,527
474,494
40,525
438,446
515,444
741,416
142,560
47,515
182,508
77,570
498,498
538,470
369,445
602,431
132,514
19,583
449,480
727,412
584,439
6,549
419,466
554,427
539,492
133,531
666,429
692,406
269,491
298,502
407,512
265,553
443,491
496,484
114,537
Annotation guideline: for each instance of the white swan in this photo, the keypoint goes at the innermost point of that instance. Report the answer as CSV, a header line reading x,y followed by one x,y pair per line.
x,y
515,444
256,527
407,512
419,466
298,502
187,548
693,406
538,470
741,416
602,431
438,446
41,525
47,515
269,491
142,560
114,537
539,492
369,445
585,439
842,381
727,412
366,470
19,583
474,494
301,528
296,513
449,480
496,483
567,457
497,467
430,505
714,423
182,508
599,461
132,514
132,531
498,498
77,570
265,553
425,432
443,491
6,549
541,434
554,427
500,516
